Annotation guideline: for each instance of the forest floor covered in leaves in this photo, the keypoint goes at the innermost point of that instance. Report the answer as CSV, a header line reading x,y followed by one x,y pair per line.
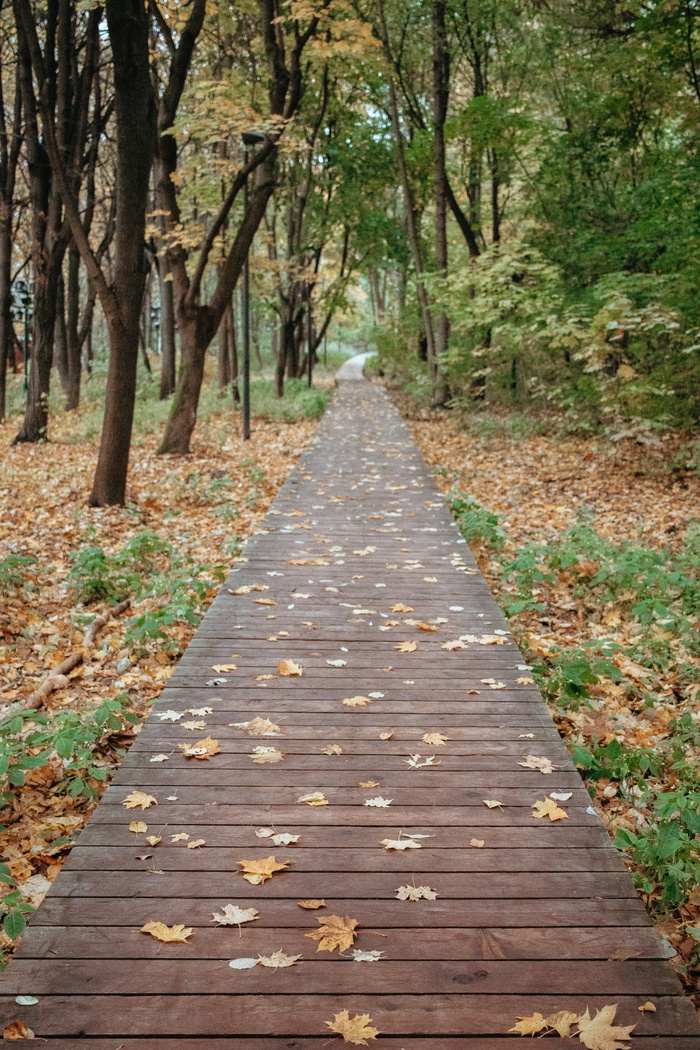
x,y
62,563
592,547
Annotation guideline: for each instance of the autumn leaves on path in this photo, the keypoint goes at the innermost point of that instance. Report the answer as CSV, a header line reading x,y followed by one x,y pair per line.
x,y
349,817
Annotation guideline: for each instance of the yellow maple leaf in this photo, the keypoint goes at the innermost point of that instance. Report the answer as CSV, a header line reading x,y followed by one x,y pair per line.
x,y
263,755
357,701
265,601
369,784
289,669
202,749
247,588
258,727
599,1033
562,1022
314,798
139,798
278,960
406,647
258,871
356,1030
312,904
544,765
549,808
223,668
530,1025
332,749
401,608
196,843
334,932
476,843
492,803
425,626
168,934
435,739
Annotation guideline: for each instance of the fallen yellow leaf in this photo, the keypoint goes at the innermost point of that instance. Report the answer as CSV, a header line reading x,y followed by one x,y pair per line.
x,y
289,669
549,808
334,933
139,798
312,904
258,871
168,934
356,1030
202,749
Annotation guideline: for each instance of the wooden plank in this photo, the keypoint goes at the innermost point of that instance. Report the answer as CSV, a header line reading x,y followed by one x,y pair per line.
x,y
179,858
550,913
292,884
117,942
170,975
236,1016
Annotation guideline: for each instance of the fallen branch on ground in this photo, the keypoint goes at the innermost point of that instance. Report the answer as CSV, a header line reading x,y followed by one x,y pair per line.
x,y
57,679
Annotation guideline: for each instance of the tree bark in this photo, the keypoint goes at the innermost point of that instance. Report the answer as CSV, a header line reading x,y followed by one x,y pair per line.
x,y
73,347
441,80
60,347
127,22
167,331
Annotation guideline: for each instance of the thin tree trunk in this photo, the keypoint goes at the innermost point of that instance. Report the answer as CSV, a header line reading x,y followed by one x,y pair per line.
x,y
410,218
6,327
60,347
233,347
223,360
441,73
167,331
73,348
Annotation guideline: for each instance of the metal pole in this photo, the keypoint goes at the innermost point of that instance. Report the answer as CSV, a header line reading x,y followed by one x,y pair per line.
x,y
246,321
309,336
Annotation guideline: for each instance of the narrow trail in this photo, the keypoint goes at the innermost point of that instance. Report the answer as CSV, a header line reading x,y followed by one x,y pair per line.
x,y
360,578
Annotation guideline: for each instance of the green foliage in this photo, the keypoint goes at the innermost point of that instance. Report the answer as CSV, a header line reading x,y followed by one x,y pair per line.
x,y
11,575
29,739
475,521
299,401
149,568
97,576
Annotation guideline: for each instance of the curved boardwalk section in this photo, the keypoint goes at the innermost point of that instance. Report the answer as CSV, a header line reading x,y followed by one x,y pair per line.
x,y
400,715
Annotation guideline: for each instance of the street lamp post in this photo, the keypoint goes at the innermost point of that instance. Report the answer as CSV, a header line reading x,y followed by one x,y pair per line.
x,y
250,138
309,336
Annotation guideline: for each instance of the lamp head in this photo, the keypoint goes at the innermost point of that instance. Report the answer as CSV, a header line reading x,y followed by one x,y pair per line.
x,y
253,138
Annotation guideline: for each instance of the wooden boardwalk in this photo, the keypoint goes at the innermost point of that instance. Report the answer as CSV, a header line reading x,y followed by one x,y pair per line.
x,y
531,921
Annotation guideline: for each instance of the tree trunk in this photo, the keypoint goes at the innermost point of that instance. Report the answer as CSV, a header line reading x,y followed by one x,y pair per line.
x,y
109,484
233,345
6,327
441,74
128,26
36,417
167,331
60,339
183,414
223,360
73,347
